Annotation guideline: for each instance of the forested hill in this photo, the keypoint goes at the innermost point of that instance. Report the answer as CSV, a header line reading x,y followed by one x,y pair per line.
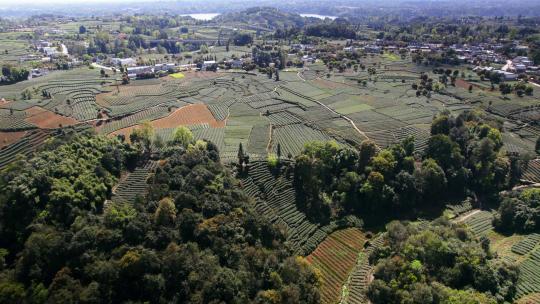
x,y
193,238
268,17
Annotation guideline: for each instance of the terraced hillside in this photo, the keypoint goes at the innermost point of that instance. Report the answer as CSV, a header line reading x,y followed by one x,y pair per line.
x,y
355,288
134,184
335,257
275,198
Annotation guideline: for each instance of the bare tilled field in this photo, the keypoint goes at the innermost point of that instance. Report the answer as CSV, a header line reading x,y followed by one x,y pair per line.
x,y
46,119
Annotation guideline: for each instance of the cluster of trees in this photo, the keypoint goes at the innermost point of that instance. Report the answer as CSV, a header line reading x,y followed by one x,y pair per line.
x,y
440,263
519,212
519,88
436,59
336,29
263,56
426,86
265,17
450,30
462,158
242,38
194,238
492,76
11,74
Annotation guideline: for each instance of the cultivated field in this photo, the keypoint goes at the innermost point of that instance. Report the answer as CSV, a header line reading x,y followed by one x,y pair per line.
x,y
335,257
233,108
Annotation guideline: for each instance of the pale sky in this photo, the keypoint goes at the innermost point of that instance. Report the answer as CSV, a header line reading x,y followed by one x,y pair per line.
x,y
46,2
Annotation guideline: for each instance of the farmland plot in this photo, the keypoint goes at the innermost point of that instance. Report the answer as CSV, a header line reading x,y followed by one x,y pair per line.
x,y
480,223
335,257
356,287
532,171
529,278
24,146
275,199
259,139
135,184
527,244
292,138
46,119
14,121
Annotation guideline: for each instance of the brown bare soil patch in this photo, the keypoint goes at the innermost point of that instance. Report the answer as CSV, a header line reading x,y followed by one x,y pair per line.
x,y
462,84
7,138
189,115
46,119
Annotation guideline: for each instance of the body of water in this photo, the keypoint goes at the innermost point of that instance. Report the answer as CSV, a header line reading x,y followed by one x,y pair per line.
x,y
204,17
318,16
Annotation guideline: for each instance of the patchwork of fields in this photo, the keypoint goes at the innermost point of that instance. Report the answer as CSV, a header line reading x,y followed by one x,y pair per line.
x,y
261,114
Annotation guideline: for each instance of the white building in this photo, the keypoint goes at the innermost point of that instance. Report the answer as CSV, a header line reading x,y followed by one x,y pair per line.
x,y
507,76
208,64
372,49
164,67
124,61
133,71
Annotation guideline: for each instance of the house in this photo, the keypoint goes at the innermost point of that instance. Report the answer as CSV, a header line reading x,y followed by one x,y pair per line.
x,y
164,67
134,71
124,61
236,63
302,47
30,57
308,59
520,68
50,51
482,68
425,49
37,73
207,64
522,60
373,49
42,44
515,66
506,76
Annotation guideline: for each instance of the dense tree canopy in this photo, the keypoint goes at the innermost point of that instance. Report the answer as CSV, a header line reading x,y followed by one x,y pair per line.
x,y
438,262
192,239
519,212
462,157
11,74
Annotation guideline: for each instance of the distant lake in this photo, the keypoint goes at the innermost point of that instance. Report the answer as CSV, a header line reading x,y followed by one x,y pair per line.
x,y
318,16
204,17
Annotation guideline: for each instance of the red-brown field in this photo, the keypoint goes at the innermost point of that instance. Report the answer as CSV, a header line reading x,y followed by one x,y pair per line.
x,y
7,138
189,115
46,119
335,257
462,84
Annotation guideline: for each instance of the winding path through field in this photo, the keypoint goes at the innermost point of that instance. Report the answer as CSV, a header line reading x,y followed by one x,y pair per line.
x,y
465,216
339,114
